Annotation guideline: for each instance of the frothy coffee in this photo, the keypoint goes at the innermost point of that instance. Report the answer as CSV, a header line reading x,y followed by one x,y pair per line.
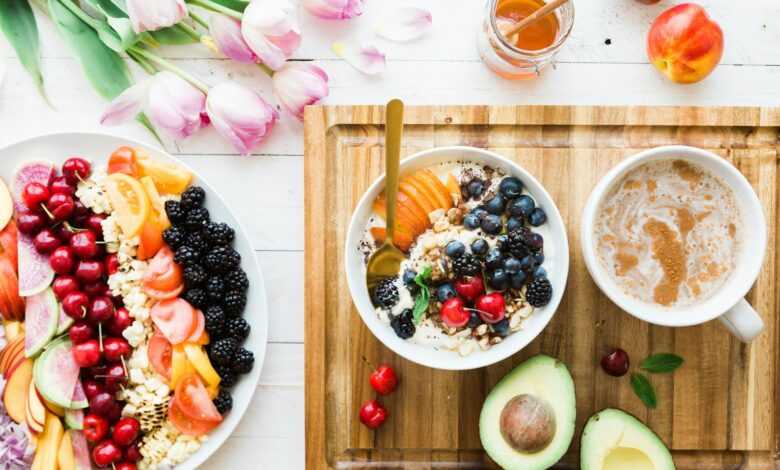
x,y
668,233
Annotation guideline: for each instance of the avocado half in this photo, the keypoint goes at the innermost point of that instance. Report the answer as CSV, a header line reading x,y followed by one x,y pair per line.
x,y
527,420
615,440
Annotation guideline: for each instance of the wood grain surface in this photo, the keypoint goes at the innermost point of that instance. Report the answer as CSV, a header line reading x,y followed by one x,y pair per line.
x,y
718,411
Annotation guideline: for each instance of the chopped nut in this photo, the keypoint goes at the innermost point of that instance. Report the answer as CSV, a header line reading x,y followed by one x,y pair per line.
x,y
464,333
510,308
483,343
482,329
436,215
514,322
525,311
466,348
495,340
441,225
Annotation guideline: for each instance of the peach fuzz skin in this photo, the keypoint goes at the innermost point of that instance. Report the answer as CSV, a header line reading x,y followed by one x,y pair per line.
x,y
684,43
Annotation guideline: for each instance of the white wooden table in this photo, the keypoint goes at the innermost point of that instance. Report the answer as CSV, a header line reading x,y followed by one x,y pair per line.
x,y
266,190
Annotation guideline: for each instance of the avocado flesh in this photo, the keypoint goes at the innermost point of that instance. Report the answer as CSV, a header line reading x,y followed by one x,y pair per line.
x,y
615,440
545,378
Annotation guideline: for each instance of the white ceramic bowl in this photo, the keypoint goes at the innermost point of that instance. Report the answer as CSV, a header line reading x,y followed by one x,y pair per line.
x,y
97,148
556,251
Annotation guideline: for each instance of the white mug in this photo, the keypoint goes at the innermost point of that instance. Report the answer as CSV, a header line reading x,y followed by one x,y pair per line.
x,y
727,304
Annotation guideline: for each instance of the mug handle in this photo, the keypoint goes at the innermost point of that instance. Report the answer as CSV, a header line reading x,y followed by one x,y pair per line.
x,y
742,321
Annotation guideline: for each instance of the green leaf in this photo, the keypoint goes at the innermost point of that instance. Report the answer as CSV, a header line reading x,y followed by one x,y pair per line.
x,y
114,28
661,363
173,36
644,390
424,297
238,5
17,22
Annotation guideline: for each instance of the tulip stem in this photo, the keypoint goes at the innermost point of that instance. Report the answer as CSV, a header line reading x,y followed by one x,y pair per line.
x,y
213,6
199,19
166,65
189,31
143,63
268,70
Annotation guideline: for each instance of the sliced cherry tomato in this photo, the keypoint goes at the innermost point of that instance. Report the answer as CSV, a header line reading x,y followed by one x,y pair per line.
x,y
185,424
175,318
200,327
151,239
130,203
159,352
193,400
123,160
163,295
163,274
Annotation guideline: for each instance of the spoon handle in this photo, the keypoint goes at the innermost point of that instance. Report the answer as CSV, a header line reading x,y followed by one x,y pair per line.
x,y
394,117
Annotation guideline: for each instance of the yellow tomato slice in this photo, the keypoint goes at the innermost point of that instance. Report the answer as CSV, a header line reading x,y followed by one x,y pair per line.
x,y
129,201
200,360
169,178
181,367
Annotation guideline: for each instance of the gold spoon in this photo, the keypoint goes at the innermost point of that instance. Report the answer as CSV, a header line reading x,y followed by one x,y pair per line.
x,y
386,261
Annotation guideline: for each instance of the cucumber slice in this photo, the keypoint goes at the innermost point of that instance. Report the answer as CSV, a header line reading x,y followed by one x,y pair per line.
x,y
56,375
41,317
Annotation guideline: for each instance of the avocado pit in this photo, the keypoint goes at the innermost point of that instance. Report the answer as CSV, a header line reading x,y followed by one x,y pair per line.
x,y
527,423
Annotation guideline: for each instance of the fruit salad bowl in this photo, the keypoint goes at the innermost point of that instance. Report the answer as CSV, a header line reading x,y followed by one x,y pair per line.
x,y
555,260
97,148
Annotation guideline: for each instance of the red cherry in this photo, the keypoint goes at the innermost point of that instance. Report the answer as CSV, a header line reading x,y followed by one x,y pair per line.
x,y
101,309
84,244
491,307
64,233
102,404
80,211
372,414
89,270
453,313
30,223
115,374
92,388
75,304
132,453
61,206
59,184
95,223
64,285
121,320
81,331
116,348
112,263
470,287
615,363
383,379
125,466
94,289
34,194
106,453
125,431
46,241
87,354
75,169
62,260
95,427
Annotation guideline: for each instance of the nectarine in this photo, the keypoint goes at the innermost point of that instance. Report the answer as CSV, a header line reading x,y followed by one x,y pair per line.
x,y
684,43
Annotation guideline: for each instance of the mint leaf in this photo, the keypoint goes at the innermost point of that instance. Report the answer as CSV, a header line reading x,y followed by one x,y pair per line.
x,y
424,297
644,390
661,363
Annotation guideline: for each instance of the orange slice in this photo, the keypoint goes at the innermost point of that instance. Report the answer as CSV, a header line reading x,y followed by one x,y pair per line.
x,y
169,178
130,203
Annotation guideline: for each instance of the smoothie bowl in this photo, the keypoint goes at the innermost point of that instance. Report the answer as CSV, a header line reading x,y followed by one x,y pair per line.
x,y
486,259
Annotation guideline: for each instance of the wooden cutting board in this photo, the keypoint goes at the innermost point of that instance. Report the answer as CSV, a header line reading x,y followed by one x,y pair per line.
x,y
718,411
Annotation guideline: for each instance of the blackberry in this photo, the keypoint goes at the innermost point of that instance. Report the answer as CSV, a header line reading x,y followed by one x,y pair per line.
x,y
196,297
174,237
194,275
539,292
244,361
466,265
219,233
196,219
196,241
234,303
238,328
518,241
222,259
215,289
223,351
215,321
192,198
186,255
223,402
386,293
175,212
237,280
403,324
228,378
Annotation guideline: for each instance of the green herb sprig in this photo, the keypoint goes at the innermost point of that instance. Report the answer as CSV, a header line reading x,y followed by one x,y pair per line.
x,y
424,297
662,363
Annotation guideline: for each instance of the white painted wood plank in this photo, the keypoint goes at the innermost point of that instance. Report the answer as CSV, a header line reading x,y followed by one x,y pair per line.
x,y
283,366
283,272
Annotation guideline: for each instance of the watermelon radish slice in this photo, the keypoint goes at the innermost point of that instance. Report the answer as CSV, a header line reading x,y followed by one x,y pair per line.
x,y
42,315
74,419
65,321
80,449
56,375
27,172
79,399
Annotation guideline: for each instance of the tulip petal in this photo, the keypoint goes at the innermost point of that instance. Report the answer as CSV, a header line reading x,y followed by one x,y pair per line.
x,y
334,9
148,15
226,33
240,115
405,24
297,85
367,58
270,29
126,105
174,105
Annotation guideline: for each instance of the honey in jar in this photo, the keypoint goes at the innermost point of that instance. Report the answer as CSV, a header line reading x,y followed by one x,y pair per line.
x,y
536,36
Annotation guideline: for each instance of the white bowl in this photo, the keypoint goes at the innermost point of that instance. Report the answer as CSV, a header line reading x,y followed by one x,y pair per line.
x,y
556,252
97,148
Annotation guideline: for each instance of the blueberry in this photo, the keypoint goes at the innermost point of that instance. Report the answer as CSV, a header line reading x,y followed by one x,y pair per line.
x,y
528,263
480,212
537,217
491,224
479,246
496,205
512,265
535,242
475,188
501,328
455,249
409,276
539,257
501,241
474,320
499,280
471,221
540,272
494,258
510,187
521,207
445,291
513,224
517,280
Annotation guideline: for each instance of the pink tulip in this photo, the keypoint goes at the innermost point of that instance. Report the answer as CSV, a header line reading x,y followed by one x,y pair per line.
x,y
227,36
240,115
151,15
298,85
170,102
334,9
270,28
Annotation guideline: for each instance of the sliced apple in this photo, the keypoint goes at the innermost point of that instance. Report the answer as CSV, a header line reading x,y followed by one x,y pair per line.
x,y
12,331
17,389
34,426
435,184
53,408
66,460
8,244
6,205
8,352
15,357
12,303
424,192
404,218
414,209
401,239
35,405
49,443
407,188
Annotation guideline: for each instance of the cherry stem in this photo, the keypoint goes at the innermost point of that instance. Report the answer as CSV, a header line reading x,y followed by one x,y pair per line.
x,y
124,365
71,228
84,314
100,335
46,210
